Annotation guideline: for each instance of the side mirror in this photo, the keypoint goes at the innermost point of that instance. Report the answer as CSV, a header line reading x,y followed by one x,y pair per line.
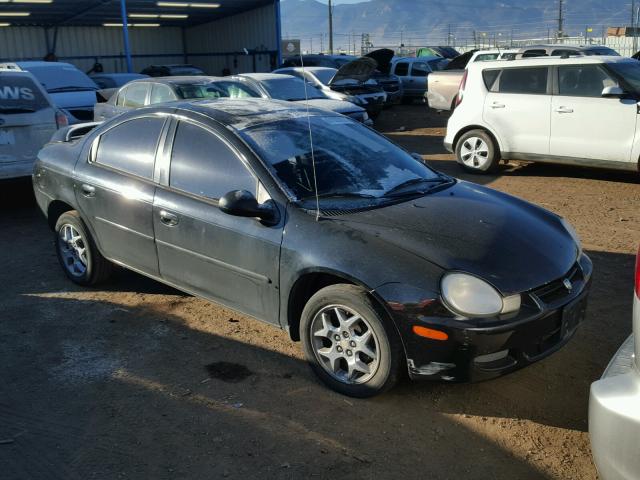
x,y
613,92
241,203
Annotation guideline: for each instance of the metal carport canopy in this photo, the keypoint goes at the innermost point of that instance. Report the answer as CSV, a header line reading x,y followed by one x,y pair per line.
x,y
170,13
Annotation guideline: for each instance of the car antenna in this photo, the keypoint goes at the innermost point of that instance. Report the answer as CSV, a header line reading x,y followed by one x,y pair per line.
x,y
313,156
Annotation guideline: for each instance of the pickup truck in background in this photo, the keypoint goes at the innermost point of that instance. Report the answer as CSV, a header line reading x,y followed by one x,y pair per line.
x,y
443,86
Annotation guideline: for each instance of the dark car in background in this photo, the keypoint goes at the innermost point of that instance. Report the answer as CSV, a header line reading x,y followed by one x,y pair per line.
x,y
115,80
386,265
390,83
177,70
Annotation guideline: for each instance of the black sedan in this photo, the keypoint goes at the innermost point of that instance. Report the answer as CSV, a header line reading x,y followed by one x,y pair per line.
x,y
379,264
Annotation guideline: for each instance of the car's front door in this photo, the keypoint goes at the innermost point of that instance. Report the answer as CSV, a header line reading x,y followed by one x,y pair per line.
x,y
517,108
115,189
228,259
401,69
584,125
418,78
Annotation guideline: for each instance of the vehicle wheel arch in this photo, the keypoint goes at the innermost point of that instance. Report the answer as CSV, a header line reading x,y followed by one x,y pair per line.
x,y
308,283
55,210
484,128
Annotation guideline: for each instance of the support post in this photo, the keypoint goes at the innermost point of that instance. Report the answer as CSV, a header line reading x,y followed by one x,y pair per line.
x,y
125,35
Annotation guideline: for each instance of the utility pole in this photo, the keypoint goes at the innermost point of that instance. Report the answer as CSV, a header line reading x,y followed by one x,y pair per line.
x,y
561,20
311,45
634,26
330,28
449,36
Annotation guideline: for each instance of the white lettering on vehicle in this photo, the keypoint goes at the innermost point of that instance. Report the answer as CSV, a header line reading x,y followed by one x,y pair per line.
x,y
16,93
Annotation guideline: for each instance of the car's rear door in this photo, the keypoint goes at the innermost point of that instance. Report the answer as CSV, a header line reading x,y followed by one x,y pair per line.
x,y
228,259
27,122
115,189
584,125
517,107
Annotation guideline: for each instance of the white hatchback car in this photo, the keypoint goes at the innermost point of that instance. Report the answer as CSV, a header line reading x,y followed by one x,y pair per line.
x,y
576,110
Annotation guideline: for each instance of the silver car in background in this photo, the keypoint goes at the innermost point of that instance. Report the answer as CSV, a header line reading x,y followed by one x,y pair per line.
x,y
28,119
614,407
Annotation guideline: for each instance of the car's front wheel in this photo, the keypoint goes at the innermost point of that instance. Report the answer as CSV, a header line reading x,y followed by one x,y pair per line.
x,y
349,343
77,252
477,152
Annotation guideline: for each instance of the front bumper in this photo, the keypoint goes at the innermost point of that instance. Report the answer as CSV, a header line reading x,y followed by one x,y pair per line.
x,y
614,417
482,350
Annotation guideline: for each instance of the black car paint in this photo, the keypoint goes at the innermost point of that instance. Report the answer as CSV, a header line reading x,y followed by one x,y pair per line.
x,y
398,253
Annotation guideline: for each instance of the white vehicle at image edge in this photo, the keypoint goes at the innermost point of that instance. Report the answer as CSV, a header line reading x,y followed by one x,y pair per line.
x,y
576,110
614,407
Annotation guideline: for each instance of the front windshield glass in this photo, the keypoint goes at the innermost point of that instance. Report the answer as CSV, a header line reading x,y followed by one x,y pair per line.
x,y
350,160
290,89
56,78
222,89
630,73
325,76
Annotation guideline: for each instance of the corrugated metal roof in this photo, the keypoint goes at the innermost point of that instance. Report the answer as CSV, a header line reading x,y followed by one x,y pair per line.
x,y
97,12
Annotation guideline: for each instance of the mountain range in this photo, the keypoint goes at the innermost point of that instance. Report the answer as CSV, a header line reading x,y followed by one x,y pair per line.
x,y
423,22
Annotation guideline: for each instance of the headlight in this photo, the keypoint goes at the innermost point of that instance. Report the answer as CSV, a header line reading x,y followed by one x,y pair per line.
x,y
572,231
365,116
470,296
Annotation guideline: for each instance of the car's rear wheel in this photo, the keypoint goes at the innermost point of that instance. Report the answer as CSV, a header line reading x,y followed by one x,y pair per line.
x,y
477,152
77,252
349,343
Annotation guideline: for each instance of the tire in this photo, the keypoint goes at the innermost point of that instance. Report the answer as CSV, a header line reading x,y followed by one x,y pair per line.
x,y
477,152
368,357
77,253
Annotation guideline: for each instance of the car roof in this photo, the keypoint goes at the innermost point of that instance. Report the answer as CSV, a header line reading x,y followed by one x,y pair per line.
x,y
178,80
34,64
119,75
546,61
577,48
247,112
265,76
310,69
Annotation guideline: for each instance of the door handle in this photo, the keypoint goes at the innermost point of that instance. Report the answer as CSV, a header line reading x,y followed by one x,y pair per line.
x,y
564,110
168,219
498,105
88,191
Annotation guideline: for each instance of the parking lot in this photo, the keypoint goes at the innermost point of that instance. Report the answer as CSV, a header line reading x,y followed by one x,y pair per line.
x,y
139,380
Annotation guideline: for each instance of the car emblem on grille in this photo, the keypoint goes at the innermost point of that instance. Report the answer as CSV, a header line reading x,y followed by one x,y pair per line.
x,y
567,284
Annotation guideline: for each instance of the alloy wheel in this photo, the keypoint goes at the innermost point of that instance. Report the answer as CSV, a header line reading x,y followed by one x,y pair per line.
x,y
474,153
73,250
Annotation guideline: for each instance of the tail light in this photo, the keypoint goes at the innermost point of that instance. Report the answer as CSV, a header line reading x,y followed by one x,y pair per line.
x,y
638,274
463,85
61,119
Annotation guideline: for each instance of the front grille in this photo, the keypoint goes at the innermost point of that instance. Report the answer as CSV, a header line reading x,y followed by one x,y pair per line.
x,y
391,87
557,290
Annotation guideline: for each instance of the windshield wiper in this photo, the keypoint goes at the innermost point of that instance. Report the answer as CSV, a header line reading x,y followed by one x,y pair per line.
x,y
70,89
395,191
341,195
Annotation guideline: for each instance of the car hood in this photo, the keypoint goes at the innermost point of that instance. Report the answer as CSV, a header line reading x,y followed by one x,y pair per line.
x,y
338,106
514,245
74,99
360,70
383,58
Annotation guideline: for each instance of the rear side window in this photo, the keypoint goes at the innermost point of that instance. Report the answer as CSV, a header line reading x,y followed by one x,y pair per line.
x,y
161,93
583,81
135,95
131,146
419,69
565,52
402,69
485,57
20,94
532,81
490,77
534,53
202,164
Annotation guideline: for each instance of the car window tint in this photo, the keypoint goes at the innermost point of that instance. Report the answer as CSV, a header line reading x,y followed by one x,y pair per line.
x,y
534,53
563,52
583,81
202,164
402,69
531,80
485,57
20,94
135,95
490,77
131,146
161,93
419,69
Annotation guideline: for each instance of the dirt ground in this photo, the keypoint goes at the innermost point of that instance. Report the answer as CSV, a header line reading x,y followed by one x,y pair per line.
x,y
137,380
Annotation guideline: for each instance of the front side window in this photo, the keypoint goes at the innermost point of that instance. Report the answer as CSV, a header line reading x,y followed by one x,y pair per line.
x,y
202,164
131,146
530,80
583,81
161,93
291,89
629,73
534,53
402,69
135,95
419,69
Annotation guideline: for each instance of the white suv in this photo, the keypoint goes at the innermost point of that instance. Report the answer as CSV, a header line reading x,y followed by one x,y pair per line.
x,y
578,110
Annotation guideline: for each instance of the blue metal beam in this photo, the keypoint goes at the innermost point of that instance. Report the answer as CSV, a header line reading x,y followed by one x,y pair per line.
x,y
125,35
278,32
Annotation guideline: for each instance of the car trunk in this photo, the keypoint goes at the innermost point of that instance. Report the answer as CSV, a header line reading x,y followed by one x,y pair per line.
x,y
22,135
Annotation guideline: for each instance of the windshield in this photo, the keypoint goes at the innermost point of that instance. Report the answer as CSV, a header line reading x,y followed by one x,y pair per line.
x,y
629,72
290,89
221,89
57,78
325,76
19,94
350,160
